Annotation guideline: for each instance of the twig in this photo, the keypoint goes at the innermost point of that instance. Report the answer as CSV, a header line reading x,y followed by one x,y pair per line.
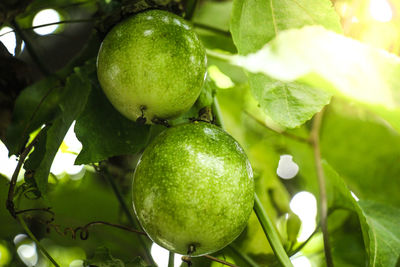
x,y
30,49
289,135
11,190
32,236
35,209
323,203
220,261
212,29
217,113
243,256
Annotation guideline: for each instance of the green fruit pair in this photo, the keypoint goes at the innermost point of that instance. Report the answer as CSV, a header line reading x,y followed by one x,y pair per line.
x,y
193,187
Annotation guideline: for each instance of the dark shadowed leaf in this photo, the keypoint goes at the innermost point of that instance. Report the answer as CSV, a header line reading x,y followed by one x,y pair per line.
x,y
104,132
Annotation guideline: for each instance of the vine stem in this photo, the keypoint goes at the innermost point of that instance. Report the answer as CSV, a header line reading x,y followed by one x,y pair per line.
x,y
11,190
127,212
323,203
212,29
271,233
32,236
220,261
262,216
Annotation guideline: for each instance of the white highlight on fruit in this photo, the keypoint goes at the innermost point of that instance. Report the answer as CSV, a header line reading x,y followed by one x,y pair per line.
x,y
8,39
149,17
287,168
177,22
28,254
148,32
300,261
304,205
46,16
165,19
380,10
354,196
161,256
8,164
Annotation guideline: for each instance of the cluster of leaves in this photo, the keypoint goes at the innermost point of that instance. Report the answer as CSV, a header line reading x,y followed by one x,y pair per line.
x,y
296,61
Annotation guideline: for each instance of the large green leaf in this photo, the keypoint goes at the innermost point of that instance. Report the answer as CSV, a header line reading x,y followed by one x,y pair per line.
x,y
384,233
77,90
324,59
364,151
253,24
104,132
379,222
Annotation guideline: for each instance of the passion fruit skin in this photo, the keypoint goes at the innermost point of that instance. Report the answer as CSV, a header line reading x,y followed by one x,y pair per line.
x,y
193,186
152,65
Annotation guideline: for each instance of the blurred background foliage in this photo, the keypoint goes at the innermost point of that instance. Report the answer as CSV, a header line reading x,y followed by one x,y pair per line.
x,y
47,77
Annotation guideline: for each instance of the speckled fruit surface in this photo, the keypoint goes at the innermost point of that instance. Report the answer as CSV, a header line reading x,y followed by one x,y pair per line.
x,y
193,186
152,64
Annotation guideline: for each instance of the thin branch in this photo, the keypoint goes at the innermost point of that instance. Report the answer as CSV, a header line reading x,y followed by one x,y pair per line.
x,y
220,261
32,236
289,135
323,203
271,233
30,48
217,113
48,210
50,24
250,262
11,190
212,29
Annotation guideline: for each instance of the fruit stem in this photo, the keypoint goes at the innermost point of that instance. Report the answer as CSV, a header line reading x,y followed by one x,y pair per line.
x,y
217,113
271,233
171,259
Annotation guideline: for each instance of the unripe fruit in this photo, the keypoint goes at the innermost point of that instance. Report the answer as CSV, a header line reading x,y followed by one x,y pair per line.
x,y
193,186
152,66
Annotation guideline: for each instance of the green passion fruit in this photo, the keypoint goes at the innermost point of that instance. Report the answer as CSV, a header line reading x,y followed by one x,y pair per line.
x,y
193,188
152,66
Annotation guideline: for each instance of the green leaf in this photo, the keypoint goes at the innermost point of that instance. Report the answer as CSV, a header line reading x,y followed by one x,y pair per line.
x,y
77,90
103,258
356,71
255,23
288,104
379,222
384,233
36,105
368,158
104,132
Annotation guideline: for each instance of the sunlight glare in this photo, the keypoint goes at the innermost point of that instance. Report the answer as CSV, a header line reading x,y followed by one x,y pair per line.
x,y
8,164
220,79
76,263
354,196
46,16
28,254
287,168
301,261
161,255
8,39
380,10
304,205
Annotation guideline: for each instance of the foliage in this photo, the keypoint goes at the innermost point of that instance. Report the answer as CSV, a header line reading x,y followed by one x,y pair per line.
x,y
284,77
